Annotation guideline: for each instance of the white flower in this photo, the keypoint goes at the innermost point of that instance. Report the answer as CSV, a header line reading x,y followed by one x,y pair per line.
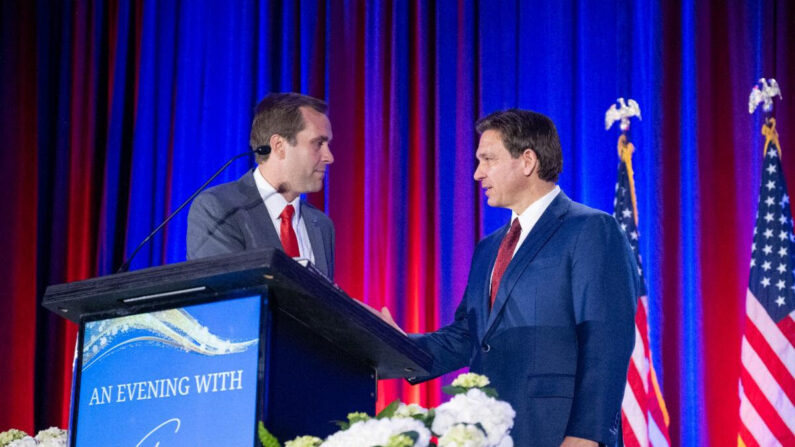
x,y
463,435
410,410
304,441
377,432
52,433
13,434
51,437
27,441
471,380
54,442
496,417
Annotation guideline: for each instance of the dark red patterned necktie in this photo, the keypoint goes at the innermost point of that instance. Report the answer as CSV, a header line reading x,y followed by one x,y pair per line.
x,y
504,255
287,234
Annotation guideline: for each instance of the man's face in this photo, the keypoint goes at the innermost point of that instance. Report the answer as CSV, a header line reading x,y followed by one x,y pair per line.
x,y
305,162
502,177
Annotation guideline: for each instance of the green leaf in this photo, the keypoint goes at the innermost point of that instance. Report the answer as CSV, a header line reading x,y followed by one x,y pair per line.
x,y
405,439
356,416
343,425
265,437
427,419
491,392
453,390
389,410
411,434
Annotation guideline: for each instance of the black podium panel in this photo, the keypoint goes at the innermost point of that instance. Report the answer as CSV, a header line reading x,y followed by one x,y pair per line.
x,y
311,382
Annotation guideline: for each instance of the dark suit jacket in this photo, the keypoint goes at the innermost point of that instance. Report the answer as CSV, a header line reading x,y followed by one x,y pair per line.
x,y
557,343
232,217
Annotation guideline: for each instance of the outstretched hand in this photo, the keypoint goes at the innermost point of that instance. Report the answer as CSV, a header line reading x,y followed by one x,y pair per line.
x,y
387,316
384,315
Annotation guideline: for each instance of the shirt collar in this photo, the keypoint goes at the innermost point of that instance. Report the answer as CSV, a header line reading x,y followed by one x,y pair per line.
x,y
274,201
530,216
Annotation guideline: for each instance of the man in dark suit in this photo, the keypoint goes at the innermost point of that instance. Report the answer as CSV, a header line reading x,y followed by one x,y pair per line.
x,y
549,305
264,208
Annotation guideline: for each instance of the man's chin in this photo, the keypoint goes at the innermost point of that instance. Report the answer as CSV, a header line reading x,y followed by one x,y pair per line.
x,y
315,187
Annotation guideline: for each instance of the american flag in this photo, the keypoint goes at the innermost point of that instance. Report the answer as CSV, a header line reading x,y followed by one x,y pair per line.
x,y
644,417
767,378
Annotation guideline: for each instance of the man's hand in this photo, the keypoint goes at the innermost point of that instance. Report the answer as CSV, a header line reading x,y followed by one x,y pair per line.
x,y
571,441
386,316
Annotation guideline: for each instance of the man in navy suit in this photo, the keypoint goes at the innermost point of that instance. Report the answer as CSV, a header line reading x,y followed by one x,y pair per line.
x,y
264,208
548,311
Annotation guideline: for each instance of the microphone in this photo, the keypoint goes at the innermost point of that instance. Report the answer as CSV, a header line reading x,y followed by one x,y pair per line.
x,y
260,150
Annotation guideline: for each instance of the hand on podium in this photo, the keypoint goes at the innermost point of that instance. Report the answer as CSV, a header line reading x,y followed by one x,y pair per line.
x,y
384,315
387,316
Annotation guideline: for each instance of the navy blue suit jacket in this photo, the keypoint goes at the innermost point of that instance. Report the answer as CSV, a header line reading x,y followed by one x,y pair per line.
x,y
232,217
557,343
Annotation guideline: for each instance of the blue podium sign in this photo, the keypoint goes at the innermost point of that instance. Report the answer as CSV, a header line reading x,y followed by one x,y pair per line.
x,y
177,377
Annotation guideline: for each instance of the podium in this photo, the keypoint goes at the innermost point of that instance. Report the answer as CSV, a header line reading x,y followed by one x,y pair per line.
x,y
183,353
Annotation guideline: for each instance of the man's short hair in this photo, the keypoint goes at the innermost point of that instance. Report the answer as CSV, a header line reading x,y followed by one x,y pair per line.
x,y
524,129
280,114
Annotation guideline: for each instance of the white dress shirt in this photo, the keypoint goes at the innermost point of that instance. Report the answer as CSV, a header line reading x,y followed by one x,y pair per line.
x,y
528,220
275,203
530,216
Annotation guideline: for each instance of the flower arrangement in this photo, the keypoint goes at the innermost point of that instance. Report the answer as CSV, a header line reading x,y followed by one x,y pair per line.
x,y
474,417
51,437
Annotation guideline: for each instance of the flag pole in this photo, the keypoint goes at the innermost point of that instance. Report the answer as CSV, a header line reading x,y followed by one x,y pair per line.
x,y
766,390
625,151
771,134
645,419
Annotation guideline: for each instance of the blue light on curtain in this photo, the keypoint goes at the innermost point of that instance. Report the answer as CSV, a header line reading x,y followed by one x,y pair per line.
x,y
692,420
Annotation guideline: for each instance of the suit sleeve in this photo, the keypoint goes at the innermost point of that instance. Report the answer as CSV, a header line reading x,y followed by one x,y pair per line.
x,y
450,346
211,231
605,288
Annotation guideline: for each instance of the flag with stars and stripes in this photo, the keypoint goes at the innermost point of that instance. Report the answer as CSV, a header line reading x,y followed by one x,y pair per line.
x,y
767,377
644,417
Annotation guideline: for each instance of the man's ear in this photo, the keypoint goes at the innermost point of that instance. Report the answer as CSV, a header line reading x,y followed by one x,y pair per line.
x,y
278,146
529,162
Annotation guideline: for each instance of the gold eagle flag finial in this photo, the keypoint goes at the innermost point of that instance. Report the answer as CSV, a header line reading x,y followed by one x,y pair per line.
x,y
627,110
764,92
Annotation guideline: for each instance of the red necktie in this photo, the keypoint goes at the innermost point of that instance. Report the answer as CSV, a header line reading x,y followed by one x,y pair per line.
x,y
504,255
287,234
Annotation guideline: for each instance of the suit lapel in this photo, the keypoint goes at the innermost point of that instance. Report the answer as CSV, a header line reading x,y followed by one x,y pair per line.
x,y
482,304
546,226
263,232
315,238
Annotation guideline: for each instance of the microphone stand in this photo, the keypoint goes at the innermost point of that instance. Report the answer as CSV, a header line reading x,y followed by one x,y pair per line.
x,y
261,150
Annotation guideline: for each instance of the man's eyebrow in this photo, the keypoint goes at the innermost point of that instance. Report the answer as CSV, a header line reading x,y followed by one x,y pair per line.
x,y
321,139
